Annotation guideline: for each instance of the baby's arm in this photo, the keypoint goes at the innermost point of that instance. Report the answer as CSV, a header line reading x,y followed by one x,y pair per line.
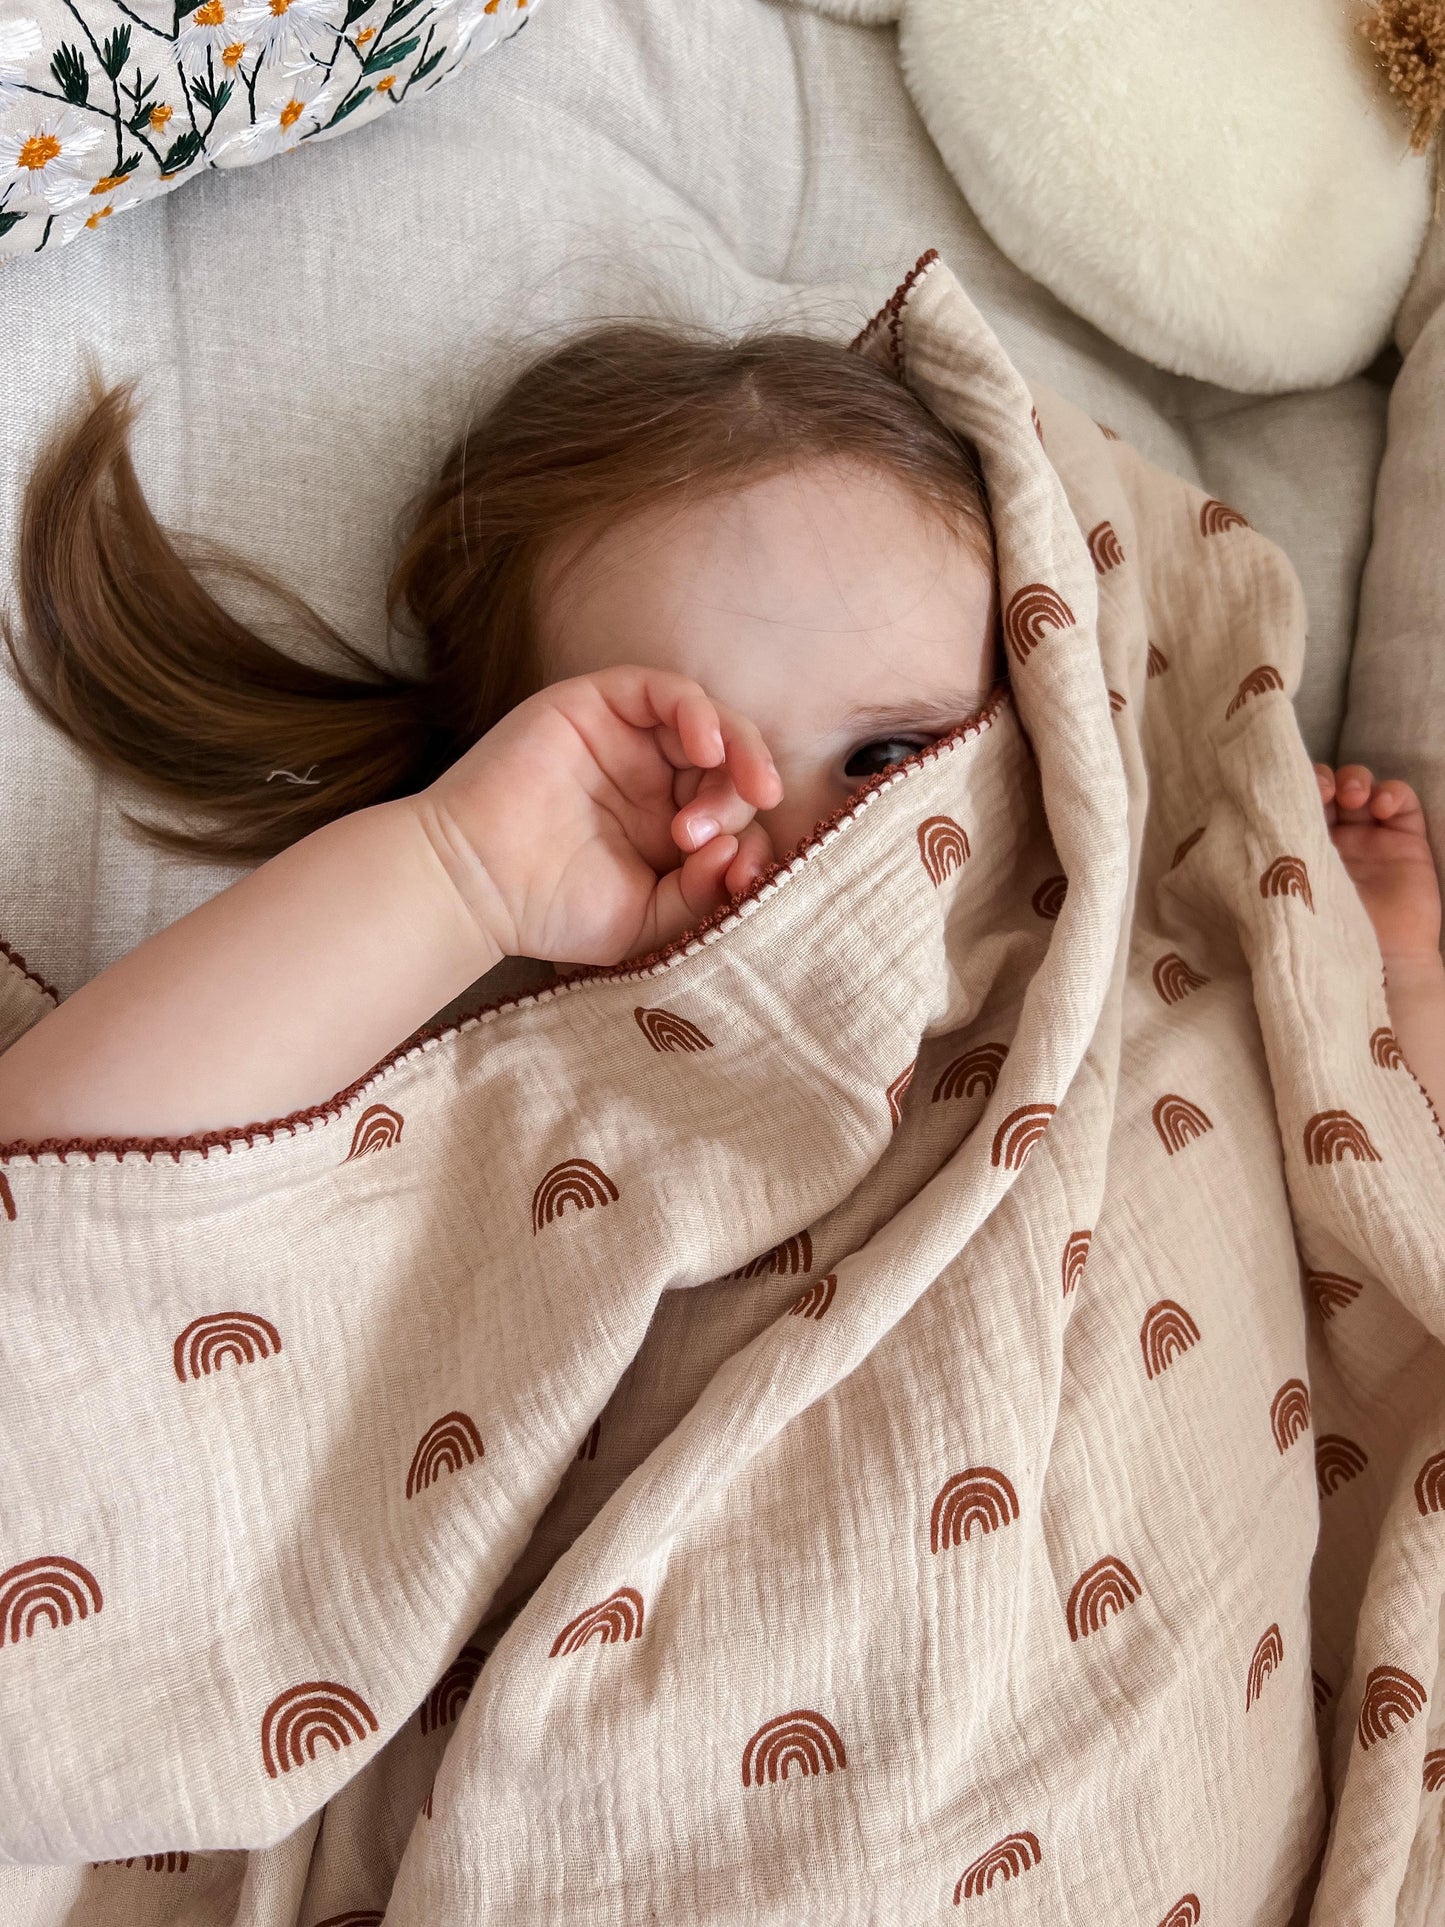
x,y
557,835
1379,831
271,997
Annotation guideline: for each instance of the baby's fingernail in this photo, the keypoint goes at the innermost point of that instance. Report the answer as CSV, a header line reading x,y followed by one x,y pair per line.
x,y
703,829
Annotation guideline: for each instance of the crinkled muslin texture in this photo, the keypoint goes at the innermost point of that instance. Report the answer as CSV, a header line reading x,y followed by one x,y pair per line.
x,y
927,1396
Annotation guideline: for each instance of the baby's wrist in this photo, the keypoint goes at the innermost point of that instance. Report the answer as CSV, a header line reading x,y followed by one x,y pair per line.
x,y
467,883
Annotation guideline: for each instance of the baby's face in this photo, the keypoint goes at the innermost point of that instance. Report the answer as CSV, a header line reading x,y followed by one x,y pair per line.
x,y
824,603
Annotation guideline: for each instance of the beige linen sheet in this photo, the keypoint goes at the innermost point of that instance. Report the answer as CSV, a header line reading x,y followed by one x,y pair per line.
x,y
923,1402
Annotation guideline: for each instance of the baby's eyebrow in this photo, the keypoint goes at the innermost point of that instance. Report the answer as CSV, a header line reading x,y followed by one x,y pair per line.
x,y
938,713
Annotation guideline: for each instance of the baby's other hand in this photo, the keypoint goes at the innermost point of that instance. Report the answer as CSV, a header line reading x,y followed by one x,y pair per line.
x,y
1379,831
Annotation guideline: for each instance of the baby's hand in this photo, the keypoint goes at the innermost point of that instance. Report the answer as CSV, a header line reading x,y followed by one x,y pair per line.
x,y
574,828
1379,831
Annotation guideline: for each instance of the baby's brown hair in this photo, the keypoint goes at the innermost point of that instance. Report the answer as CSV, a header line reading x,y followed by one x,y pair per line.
x,y
127,653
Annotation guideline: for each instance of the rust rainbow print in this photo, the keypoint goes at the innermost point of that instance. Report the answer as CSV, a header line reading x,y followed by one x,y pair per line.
x,y
1268,1653
377,1129
1184,1913
1076,1256
1005,1860
1156,662
665,1030
976,1070
815,1301
1330,1134
1331,1291
1179,1122
982,1496
1048,899
1287,877
575,1181
1289,1413
446,1699
1020,1131
1105,549
1256,683
1215,517
943,846
1174,978
299,1719
45,1593
1337,1461
1032,612
1102,1589
1391,1699
1167,1331
802,1739
792,1258
206,1343
446,1446
616,1619
1430,1485
1385,1049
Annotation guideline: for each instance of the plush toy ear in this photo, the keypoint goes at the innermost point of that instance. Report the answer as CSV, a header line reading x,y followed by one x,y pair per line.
x,y
864,13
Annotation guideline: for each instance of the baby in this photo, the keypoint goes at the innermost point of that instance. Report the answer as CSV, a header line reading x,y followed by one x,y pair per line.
x,y
680,596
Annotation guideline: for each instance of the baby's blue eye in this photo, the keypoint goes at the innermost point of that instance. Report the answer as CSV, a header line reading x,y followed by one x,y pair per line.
x,y
905,746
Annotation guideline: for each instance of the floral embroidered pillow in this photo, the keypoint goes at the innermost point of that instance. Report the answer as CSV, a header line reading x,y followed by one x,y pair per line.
x,y
105,103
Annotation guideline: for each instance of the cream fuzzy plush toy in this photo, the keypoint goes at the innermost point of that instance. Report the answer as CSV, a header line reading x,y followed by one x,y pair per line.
x,y
1230,190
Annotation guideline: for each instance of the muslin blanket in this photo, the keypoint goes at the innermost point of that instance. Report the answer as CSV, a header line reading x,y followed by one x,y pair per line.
x,y
922,1402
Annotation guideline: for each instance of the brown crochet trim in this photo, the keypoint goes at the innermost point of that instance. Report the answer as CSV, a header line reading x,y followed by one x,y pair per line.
x,y
892,312
648,966
14,956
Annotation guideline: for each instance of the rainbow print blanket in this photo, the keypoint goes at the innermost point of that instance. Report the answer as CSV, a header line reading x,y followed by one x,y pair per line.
x,y
923,1402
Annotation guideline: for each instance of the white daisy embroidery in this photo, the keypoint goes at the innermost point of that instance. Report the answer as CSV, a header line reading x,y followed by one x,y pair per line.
x,y
470,15
212,29
109,196
19,40
44,159
283,29
300,104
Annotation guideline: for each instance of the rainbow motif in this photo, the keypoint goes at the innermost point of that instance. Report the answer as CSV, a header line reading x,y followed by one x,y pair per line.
x,y
1015,1854
50,1591
301,1717
802,1739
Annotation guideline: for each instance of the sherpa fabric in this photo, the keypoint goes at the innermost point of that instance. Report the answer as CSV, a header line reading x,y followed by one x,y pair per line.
x,y
1228,190
922,1401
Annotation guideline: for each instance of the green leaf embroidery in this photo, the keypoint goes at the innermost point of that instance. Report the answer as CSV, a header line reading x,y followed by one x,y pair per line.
x,y
72,76
348,107
390,55
116,51
213,100
354,10
182,152
424,67
7,221
398,14
128,165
